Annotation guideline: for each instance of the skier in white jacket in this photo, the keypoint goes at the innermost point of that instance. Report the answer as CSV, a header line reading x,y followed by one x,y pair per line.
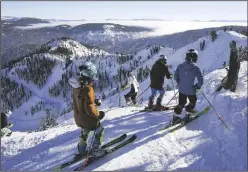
x,y
133,83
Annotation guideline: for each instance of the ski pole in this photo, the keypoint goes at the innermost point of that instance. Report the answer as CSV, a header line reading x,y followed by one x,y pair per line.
x,y
172,98
173,87
142,93
214,110
88,153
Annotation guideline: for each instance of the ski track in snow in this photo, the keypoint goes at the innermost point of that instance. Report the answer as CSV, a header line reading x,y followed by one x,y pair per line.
x,y
204,144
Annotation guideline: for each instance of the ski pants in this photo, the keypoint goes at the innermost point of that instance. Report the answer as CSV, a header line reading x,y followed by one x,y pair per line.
x,y
131,94
154,92
183,101
85,141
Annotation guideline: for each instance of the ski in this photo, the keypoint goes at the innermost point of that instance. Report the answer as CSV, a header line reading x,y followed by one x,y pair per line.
x,y
118,139
183,122
78,158
109,151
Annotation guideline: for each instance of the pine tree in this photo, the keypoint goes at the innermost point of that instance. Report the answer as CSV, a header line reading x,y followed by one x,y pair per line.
x,y
213,35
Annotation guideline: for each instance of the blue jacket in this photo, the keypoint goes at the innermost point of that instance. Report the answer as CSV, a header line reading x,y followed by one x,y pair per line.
x,y
185,76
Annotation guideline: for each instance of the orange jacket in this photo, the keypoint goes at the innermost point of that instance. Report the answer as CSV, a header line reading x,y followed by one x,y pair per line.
x,y
85,112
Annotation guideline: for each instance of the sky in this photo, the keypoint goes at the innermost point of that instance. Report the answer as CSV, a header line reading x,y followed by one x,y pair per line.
x,y
98,10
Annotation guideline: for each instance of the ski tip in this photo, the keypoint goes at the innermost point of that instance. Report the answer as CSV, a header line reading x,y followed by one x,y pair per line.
x,y
133,137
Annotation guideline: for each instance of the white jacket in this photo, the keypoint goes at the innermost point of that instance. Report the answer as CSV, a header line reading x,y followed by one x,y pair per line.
x,y
132,80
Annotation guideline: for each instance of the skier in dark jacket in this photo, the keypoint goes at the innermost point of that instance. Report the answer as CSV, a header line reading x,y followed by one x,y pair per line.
x,y
185,76
157,74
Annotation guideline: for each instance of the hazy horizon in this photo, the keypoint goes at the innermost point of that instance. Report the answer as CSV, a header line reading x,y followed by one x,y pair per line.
x,y
127,10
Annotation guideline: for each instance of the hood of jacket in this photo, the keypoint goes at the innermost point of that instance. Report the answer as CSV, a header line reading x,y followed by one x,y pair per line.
x,y
74,82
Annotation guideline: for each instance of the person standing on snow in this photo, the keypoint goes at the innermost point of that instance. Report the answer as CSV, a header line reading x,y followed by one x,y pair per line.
x,y
87,117
157,75
133,83
185,76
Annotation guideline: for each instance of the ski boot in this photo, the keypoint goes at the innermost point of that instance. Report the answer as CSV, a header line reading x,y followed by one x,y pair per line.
x,y
127,99
158,106
176,119
82,148
189,116
134,102
190,112
82,145
98,152
150,104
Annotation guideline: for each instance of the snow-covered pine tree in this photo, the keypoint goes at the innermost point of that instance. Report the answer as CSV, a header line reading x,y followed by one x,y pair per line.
x,y
213,35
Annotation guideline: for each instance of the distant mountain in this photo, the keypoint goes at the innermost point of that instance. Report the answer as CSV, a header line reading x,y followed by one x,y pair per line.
x,y
12,22
109,26
110,36
96,34
176,40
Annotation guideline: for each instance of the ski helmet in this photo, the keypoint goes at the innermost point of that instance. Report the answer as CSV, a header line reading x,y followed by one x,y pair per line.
x,y
7,113
88,70
192,55
163,59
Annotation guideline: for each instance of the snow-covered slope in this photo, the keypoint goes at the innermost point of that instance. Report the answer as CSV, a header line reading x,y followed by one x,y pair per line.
x,y
214,53
58,50
204,144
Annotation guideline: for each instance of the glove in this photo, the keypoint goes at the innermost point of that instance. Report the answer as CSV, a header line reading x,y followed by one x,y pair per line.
x,y
98,102
101,115
170,76
123,87
197,87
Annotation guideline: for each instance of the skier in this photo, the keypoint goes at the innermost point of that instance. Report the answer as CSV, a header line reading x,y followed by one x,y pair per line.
x,y
185,76
133,83
87,117
4,123
157,74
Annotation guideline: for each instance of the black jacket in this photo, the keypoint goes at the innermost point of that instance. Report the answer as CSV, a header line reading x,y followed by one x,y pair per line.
x,y
157,74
